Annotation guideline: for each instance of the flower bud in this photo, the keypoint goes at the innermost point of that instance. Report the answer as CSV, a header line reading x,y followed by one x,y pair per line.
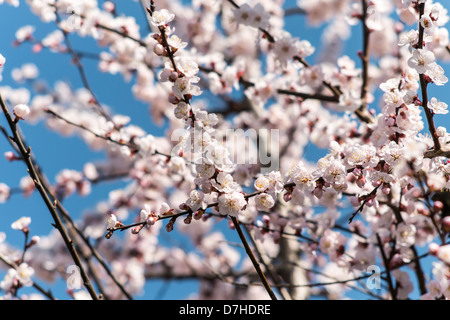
x,y
10,156
159,50
446,224
433,248
173,99
188,219
287,197
370,202
441,131
357,172
173,76
136,229
438,206
21,111
318,192
361,182
34,240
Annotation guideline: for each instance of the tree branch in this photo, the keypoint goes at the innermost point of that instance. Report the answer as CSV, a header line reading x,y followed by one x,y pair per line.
x,y
25,153
253,259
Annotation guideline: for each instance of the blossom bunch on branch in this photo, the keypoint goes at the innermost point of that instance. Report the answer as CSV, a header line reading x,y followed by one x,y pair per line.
x,y
324,164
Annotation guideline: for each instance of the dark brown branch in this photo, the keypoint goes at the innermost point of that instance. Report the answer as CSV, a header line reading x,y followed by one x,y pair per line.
x,y
132,146
386,265
371,195
25,153
294,11
76,60
316,96
423,87
419,272
365,57
255,263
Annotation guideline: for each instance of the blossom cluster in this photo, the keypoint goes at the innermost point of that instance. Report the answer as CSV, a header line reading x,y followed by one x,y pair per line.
x,y
382,166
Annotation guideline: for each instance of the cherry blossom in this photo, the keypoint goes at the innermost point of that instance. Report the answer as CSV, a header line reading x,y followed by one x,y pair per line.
x,y
438,107
161,17
4,192
231,203
332,161
21,224
264,201
421,60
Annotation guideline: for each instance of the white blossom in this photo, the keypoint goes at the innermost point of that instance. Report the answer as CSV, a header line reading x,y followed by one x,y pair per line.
x,y
438,107
21,224
231,203
161,17
264,201
21,110
421,60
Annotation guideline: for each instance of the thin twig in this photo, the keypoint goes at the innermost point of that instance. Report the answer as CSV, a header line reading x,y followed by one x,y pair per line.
x,y
76,60
386,265
25,153
419,272
276,278
46,293
423,87
365,57
253,259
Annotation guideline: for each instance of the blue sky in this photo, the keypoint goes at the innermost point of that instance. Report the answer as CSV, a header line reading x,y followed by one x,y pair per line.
x,y
55,153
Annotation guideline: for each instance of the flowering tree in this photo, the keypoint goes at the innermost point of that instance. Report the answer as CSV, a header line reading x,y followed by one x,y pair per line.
x,y
242,105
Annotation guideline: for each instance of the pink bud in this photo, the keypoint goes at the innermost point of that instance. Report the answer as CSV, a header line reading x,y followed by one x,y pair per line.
x,y
109,6
399,27
361,182
188,219
318,192
370,202
159,49
433,248
136,229
173,76
21,111
34,240
446,224
376,183
169,226
390,122
10,156
360,54
282,222
173,99
183,206
438,205
357,172
287,197
416,193
198,214
37,48
396,261
276,236
151,220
